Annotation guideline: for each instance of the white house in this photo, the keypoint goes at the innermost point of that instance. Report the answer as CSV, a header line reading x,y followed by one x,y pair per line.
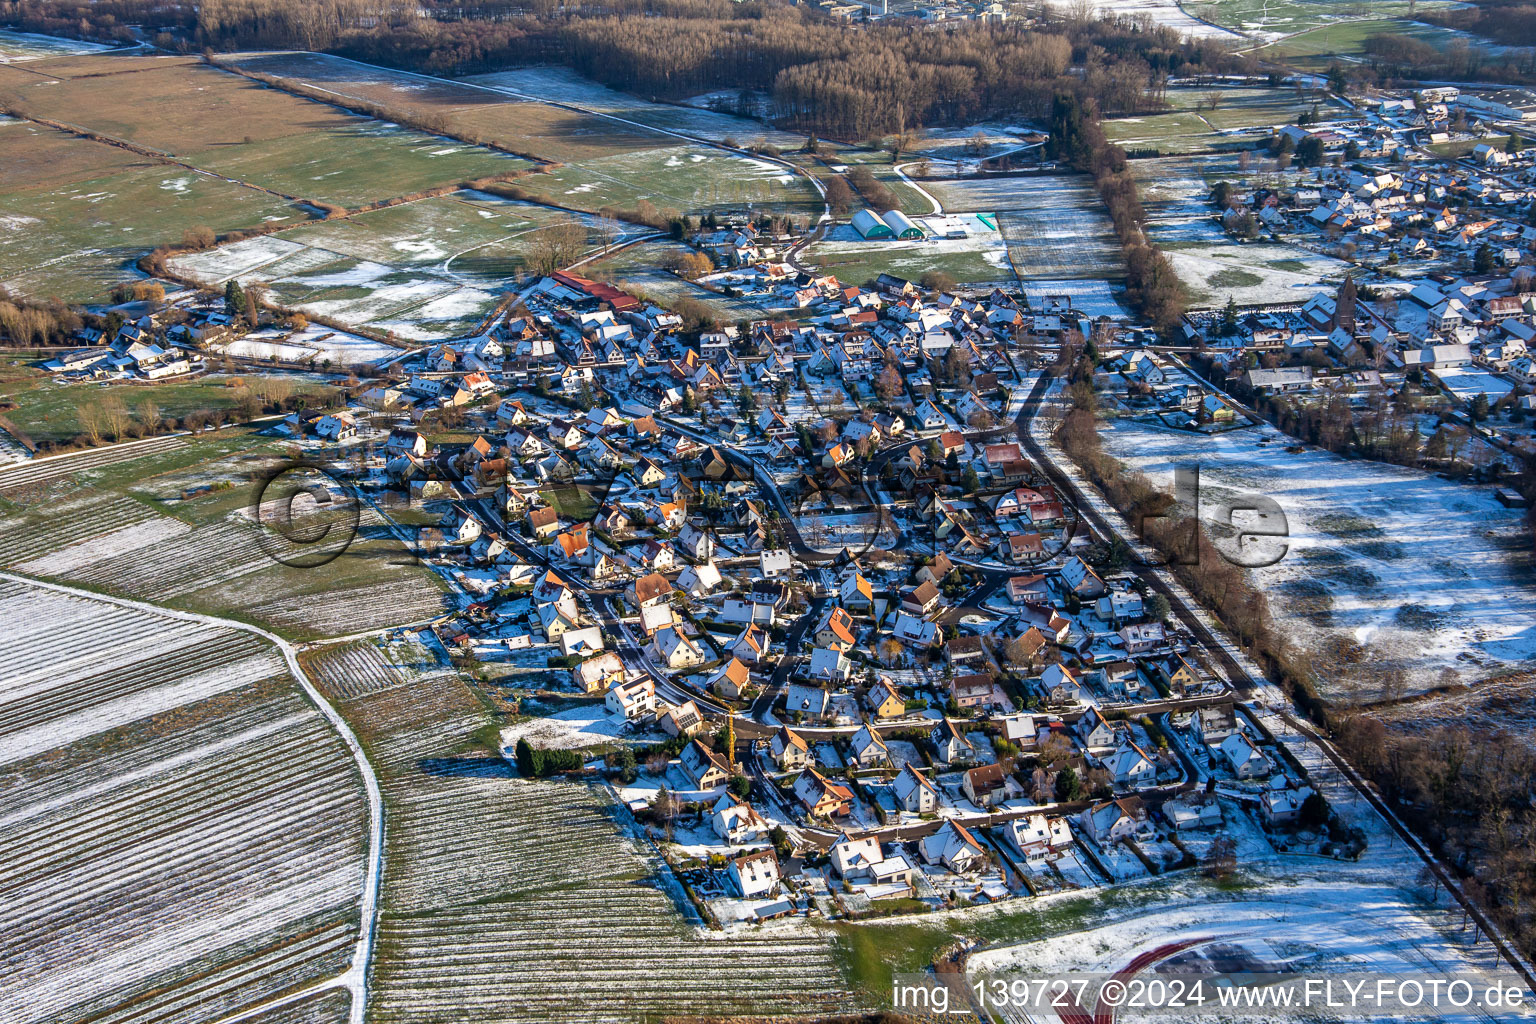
x,y
736,822
867,749
754,874
1245,759
774,562
954,847
914,793
1038,838
632,700
675,650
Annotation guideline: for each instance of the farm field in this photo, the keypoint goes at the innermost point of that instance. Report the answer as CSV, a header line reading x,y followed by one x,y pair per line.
x,y
1318,47
79,230
690,178
1386,568
1212,265
523,900
18,46
1166,13
1273,19
1348,924
981,257
424,269
47,411
184,835
1240,116
1054,226
561,85
235,127
146,526
525,126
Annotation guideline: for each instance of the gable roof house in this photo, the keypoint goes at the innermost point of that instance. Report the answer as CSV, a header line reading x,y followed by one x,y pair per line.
x,y
821,798
868,750
789,750
706,768
954,847
736,822
754,874
913,792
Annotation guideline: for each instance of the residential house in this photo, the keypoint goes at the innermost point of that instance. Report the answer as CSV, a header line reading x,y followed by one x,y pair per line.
x,y
736,822
754,874
706,768
913,792
682,720
884,700
1113,820
675,650
632,699
821,798
790,752
950,744
954,847
868,750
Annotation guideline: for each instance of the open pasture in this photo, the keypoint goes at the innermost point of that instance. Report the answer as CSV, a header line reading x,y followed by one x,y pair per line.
x,y
1212,265
1385,568
19,46
1054,226
425,269
694,179
229,125
80,232
524,126
1273,19
561,85
183,833
1240,115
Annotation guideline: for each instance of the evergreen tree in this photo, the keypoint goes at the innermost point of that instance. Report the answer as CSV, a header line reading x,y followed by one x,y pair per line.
x,y
1229,317
234,298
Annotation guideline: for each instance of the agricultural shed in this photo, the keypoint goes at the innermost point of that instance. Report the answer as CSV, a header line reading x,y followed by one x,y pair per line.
x,y
870,226
901,225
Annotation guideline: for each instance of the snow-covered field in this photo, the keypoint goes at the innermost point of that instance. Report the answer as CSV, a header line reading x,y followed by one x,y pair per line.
x,y
1166,14
1387,568
561,85
1096,298
1339,926
322,344
1054,225
423,270
19,46
181,831
1212,265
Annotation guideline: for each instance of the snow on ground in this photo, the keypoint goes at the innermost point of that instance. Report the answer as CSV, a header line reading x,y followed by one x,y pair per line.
x,y
1095,298
1467,382
561,85
1387,567
1166,14
1332,925
1251,274
314,342
584,726
237,259
20,46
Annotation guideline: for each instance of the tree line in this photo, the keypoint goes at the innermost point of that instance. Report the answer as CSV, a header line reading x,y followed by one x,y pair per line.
x,y
1077,138
835,78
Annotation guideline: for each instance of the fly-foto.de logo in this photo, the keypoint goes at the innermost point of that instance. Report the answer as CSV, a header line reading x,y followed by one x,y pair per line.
x,y
1246,529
